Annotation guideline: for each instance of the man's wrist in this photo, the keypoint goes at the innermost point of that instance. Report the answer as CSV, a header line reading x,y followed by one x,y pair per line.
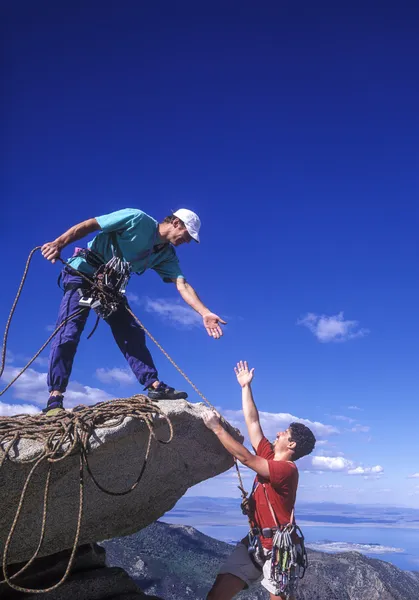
x,y
218,429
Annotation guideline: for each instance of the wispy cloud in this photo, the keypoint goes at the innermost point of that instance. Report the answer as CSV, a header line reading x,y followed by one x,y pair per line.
x,y
377,470
32,387
332,329
331,463
413,476
9,410
354,547
173,312
358,428
343,418
331,486
341,464
121,376
353,407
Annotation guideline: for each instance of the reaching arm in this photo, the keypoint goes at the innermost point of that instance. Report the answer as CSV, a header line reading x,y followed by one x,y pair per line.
x,y
52,250
256,463
250,412
211,320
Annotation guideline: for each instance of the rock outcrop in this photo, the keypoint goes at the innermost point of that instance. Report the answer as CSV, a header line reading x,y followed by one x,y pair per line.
x,y
116,456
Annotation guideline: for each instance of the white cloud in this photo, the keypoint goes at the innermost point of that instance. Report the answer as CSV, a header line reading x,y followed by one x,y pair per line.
x,y
414,476
331,486
341,464
32,387
343,418
353,407
273,422
354,547
377,470
173,312
121,376
332,329
42,361
331,463
133,298
9,410
360,428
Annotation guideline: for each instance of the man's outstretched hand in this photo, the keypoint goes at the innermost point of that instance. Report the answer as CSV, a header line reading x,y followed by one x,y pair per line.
x,y
51,251
212,325
244,376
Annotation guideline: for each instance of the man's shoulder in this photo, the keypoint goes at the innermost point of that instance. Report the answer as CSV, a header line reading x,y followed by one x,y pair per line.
x,y
265,449
139,215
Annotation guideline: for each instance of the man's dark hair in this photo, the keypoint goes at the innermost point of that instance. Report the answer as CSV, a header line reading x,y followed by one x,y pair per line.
x,y
171,218
304,440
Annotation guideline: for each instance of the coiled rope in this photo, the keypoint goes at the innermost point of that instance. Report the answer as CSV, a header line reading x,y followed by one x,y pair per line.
x,y
61,436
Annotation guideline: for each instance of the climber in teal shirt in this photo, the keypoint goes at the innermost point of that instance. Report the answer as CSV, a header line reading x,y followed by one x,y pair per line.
x,y
144,243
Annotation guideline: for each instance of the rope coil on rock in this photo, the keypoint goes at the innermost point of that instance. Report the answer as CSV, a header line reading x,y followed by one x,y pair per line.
x,y
63,435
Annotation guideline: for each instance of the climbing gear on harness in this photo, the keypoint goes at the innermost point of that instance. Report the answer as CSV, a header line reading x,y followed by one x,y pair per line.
x,y
255,548
109,290
165,392
54,402
289,559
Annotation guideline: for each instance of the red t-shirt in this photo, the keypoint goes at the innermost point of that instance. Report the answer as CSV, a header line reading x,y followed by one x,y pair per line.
x,y
281,489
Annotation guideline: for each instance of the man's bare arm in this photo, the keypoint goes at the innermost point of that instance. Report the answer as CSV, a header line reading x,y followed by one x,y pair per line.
x,y
210,319
250,412
52,250
256,463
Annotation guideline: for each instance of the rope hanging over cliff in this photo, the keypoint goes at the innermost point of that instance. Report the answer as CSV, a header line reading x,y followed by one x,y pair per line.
x,y
60,436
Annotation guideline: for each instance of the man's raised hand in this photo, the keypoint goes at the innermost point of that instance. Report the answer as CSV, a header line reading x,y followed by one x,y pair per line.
x,y
244,376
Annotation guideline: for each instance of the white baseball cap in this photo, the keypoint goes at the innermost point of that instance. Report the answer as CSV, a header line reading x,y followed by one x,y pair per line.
x,y
191,220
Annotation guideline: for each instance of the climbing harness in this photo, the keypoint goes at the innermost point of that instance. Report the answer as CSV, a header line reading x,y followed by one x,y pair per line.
x,y
108,292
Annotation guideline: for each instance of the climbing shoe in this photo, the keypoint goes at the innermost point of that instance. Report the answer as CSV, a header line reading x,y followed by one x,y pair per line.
x,y
54,405
165,392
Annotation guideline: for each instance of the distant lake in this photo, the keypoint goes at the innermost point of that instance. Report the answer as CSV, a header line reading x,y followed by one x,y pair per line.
x,y
386,535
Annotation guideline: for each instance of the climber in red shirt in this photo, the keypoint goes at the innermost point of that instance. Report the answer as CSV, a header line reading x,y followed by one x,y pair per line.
x,y
273,495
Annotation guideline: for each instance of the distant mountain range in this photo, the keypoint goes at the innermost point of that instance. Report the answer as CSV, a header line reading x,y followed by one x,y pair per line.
x,y
176,562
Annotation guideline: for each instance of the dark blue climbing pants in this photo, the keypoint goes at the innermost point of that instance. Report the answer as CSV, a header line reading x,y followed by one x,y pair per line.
x,y
129,336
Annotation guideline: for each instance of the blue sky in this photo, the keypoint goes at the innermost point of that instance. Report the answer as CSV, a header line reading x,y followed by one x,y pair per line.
x,y
291,129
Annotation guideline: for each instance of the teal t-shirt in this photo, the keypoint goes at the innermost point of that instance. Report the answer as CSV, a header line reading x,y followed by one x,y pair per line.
x,y
137,240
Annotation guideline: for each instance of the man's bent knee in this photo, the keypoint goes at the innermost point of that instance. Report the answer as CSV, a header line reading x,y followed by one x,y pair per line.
x,y
226,586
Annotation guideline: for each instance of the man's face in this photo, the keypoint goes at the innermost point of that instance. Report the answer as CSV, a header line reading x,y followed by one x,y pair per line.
x,y
282,440
178,234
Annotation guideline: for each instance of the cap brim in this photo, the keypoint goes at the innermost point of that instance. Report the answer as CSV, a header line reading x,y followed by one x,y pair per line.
x,y
194,235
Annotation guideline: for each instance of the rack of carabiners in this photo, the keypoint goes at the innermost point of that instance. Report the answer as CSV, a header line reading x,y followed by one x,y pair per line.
x,y
289,557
